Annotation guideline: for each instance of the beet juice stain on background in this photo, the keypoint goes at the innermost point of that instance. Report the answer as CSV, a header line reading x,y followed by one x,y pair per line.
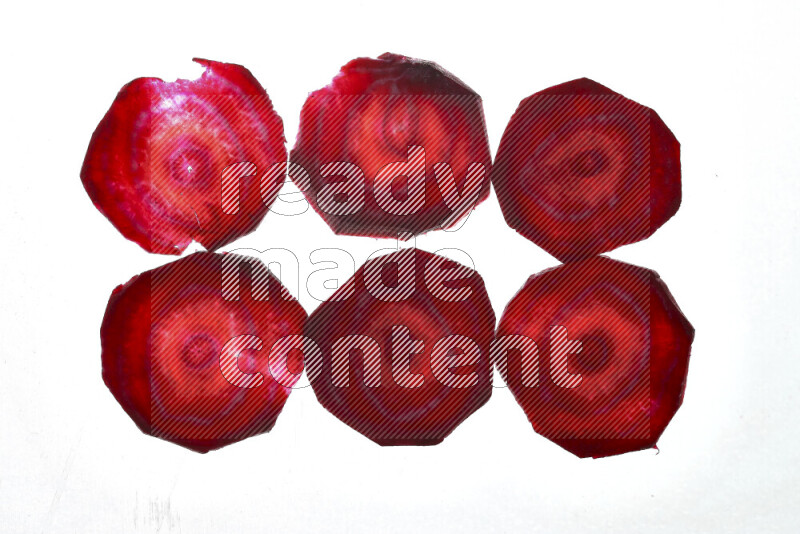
x,y
596,351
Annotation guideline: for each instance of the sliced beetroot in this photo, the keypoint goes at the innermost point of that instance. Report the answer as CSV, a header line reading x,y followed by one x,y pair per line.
x,y
369,117
163,337
608,369
407,302
582,170
155,163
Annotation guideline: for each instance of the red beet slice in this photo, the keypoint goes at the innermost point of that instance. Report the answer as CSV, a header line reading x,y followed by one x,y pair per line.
x,y
632,357
155,163
582,170
163,337
369,117
407,302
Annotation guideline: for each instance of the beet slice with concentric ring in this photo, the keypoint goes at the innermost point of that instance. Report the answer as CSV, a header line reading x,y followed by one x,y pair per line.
x,y
355,141
155,163
190,361
596,353
582,170
403,348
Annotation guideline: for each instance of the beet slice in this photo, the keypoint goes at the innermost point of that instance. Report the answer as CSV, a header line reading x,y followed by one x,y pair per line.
x,y
582,170
369,117
163,335
155,163
407,302
632,357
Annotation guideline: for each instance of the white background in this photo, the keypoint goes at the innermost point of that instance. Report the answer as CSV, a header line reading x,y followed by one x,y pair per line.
x,y
722,75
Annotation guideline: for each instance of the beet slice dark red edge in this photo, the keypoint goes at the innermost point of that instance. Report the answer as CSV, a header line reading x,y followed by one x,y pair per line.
x,y
441,299
162,336
582,170
633,360
155,163
368,116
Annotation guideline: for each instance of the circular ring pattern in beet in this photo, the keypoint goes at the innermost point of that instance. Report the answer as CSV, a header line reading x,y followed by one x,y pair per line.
x,y
596,353
156,164
191,361
582,170
392,146
403,348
